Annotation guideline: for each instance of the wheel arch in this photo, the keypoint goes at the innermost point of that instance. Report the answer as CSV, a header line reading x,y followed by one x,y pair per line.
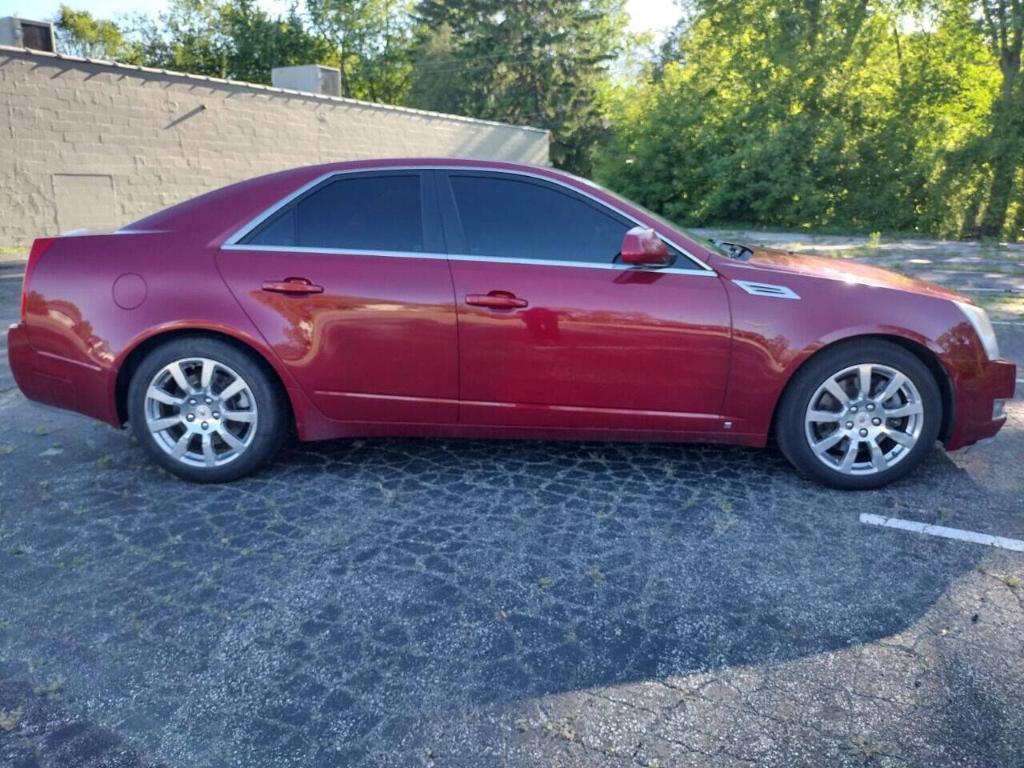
x,y
921,351
135,354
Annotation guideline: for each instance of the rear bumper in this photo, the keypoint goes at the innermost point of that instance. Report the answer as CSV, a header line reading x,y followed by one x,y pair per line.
x,y
57,381
975,399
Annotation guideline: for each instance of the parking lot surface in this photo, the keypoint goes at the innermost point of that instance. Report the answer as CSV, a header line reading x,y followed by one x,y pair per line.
x,y
444,603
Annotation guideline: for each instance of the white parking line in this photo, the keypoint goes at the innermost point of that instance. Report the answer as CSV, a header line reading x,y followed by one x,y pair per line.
x,y
946,533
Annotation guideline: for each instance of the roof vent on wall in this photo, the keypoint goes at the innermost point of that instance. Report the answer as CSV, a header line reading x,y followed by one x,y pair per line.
x,y
311,78
23,33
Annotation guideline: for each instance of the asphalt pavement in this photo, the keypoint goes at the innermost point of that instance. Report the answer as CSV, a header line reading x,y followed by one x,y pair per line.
x,y
474,603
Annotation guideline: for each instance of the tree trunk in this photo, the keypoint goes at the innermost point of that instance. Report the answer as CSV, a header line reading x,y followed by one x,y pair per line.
x,y
346,89
1004,166
1006,145
1006,141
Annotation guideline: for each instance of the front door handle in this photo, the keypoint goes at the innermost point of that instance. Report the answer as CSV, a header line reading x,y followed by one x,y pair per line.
x,y
294,286
496,300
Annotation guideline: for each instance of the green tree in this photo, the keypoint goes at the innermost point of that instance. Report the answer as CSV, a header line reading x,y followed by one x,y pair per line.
x,y
1003,25
752,119
371,39
187,37
533,62
233,39
811,113
258,42
79,33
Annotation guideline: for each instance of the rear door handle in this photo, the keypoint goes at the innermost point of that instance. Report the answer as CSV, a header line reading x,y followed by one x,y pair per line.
x,y
296,286
496,300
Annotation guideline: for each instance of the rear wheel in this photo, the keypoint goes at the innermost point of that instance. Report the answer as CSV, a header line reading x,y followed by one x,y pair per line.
x,y
206,410
860,415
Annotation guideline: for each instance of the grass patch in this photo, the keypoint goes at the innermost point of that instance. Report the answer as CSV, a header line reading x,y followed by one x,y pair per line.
x,y
13,252
1002,305
9,719
51,690
724,523
561,730
1011,581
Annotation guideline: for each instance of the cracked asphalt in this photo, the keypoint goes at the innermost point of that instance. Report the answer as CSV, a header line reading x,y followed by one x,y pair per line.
x,y
444,603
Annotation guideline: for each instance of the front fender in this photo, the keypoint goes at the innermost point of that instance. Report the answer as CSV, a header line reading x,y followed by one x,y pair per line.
x,y
773,338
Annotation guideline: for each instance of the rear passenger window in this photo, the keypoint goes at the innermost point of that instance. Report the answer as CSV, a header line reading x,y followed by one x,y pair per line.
x,y
513,219
372,213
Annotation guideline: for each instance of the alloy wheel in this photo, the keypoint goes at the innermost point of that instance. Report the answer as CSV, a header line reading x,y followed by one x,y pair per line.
x,y
864,419
200,412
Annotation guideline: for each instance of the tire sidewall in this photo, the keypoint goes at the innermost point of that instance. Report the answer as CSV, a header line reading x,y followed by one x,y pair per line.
x,y
790,428
271,426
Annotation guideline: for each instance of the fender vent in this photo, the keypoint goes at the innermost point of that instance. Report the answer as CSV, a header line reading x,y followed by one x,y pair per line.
x,y
767,289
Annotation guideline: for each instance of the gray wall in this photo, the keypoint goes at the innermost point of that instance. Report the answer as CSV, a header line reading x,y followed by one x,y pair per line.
x,y
95,144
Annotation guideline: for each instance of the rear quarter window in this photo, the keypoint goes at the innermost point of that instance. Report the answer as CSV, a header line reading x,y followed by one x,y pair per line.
x,y
375,213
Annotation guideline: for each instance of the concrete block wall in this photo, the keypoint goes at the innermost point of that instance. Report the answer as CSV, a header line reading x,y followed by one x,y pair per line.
x,y
96,144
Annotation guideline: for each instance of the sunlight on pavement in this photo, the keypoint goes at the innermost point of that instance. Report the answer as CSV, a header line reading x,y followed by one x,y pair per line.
x,y
899,696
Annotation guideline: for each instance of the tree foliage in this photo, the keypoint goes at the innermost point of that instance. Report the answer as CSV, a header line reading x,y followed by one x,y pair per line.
x,y
79,33
371,39
532,62
901,115
1003,29
233,39
826,113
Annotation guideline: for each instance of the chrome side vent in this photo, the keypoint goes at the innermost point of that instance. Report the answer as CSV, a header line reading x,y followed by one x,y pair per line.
x,y
767,289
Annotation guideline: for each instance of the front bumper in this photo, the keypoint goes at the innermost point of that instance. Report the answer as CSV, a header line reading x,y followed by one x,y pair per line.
x,y
58,381
975,400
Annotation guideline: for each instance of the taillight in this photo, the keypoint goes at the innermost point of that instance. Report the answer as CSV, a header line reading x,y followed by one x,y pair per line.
x,y
39,247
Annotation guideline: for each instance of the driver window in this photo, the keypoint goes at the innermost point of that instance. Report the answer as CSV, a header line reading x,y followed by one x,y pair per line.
x,y
520,219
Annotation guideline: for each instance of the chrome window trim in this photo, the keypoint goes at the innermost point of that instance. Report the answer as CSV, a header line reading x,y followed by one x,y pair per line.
x,y
459,257
338,251
586,265
231,243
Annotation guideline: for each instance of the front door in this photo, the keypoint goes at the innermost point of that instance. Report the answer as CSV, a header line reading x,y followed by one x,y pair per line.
x,y
349,285
554,333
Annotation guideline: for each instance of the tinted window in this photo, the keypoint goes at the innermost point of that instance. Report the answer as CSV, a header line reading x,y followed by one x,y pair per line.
x,y
378,213
508,218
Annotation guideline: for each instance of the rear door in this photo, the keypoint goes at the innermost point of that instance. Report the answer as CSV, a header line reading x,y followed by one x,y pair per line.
x,y
554,333
349,283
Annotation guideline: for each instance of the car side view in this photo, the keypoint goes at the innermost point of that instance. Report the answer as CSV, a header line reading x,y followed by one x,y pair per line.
x,y
463,298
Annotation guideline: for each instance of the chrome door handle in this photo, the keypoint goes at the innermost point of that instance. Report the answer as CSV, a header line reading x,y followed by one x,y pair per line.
x,y
295,286
496,300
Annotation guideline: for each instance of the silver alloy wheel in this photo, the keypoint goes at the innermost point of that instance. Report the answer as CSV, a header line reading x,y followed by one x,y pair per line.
x,y
864,419
200,412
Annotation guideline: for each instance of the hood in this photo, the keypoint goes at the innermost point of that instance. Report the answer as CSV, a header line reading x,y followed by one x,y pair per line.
x,y
845,271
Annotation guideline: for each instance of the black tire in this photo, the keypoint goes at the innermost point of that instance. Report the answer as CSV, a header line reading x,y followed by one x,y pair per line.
x,y
792,432
263,396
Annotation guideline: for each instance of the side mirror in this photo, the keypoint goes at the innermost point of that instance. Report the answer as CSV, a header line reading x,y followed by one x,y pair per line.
x,y
642,247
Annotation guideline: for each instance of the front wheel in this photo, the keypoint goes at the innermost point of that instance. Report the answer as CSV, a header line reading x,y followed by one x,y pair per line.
x,y
206,410
860,415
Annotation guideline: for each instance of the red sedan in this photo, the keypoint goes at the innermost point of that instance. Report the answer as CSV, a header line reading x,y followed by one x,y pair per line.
x,y
456,298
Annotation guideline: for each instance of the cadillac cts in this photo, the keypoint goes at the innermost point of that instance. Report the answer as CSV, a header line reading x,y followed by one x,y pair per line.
x,y
481,299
